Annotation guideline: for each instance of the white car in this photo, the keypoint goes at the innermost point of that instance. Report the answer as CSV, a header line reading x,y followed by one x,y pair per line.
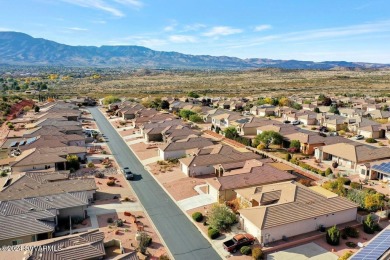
x,y
296,122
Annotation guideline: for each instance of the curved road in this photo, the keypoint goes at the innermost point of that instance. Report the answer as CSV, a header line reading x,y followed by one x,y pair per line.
x,y
180,235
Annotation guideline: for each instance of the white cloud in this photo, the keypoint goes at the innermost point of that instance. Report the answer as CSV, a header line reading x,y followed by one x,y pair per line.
x,y
182,38
4,29
99,22
96,4
133,3
221,31
169,28
77,29
193,27
262,27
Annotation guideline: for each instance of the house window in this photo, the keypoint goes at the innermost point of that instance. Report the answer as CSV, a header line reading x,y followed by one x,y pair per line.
x,y
363,172
17,242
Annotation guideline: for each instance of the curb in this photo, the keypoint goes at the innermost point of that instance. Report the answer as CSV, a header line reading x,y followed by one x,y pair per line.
x,y
135,194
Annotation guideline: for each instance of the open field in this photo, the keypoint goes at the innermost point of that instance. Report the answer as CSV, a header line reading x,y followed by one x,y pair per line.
x,y
265,82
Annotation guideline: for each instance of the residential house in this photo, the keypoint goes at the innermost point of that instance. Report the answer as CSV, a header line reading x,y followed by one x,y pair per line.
x,y
181,148
289,209
352,155
87,245
206,158
263,110
153,131
46,158
378,114
224,120
31,205
237,175
333,122
247,126
373,131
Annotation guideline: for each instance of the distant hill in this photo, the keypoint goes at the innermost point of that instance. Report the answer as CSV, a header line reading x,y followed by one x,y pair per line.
x,y
22,49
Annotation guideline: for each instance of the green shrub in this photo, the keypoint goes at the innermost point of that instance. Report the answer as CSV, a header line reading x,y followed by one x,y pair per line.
x,y
351,232
90,165
355,185
333,236
197,216
118,222
288,157
257,253
110,220
3,174
111,183
370,140
99,175
344,180
369,225
245,250
328,171
213,233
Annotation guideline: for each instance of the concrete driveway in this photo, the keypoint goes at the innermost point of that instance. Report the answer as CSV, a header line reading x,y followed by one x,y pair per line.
x,y
196,201
307,251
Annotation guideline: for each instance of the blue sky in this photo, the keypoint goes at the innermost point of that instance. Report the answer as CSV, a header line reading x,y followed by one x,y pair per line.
x,y
318,30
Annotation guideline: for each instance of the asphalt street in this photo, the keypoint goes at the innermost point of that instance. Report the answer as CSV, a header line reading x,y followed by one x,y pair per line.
x,y
183,239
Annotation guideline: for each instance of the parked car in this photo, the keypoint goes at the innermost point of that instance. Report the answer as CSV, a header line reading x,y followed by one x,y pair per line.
x,y
128,174
238,241
359,137
296,122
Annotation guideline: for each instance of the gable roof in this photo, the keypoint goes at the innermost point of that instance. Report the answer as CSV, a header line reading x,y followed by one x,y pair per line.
x,y
301,203
190,143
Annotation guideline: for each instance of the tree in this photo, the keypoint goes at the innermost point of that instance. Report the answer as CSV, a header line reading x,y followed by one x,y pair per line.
x,y
284,102
144,242
374,201
267,138
230,132
193,94
36,109
110,99
385,107
296,106
220,217
328,171
288,157
326,101
195,118
185,113
333,236
333,109
317,110
295,144
72,161
369,225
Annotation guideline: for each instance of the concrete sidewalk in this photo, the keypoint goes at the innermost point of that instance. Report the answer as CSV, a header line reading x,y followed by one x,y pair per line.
x,y
151,160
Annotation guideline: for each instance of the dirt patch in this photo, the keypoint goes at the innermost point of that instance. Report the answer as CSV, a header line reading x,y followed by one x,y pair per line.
x,y
18,107
145,151
127,132
108,194
126,233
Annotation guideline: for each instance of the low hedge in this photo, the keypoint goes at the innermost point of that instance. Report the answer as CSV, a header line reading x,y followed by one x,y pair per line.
x,y
370,140
197,216
213,233
245,250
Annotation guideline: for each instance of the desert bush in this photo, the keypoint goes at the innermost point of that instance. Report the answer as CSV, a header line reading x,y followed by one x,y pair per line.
x,y
110,183
90,165
213,233
257,253
351,232
197,216
245,250
355,185
99,175
346,255
370,140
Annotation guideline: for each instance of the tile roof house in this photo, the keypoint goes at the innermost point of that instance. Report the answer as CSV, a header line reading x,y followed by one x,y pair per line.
x,y
351,155
378,114
207,116
263,110
373,131
204,159
224,120
244,174
288,209
83,246
31,205
283,129
181,148
45,158
248,125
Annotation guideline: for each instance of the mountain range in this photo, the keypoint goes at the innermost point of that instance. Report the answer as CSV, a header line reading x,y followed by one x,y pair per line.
x,y
21,49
